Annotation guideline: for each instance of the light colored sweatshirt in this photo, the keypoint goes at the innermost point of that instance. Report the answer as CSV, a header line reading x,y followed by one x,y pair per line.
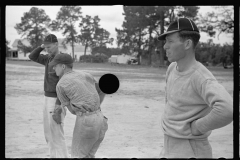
x,y
194,95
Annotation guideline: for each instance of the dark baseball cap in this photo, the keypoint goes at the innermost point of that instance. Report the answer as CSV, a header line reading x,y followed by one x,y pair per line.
x,y
51,38
181,24
61,58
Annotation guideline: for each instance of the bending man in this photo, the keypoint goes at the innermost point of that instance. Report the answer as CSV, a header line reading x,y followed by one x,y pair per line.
x,y
79,92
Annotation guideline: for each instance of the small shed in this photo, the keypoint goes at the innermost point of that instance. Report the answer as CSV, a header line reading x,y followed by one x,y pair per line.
x,y
113,59
124,59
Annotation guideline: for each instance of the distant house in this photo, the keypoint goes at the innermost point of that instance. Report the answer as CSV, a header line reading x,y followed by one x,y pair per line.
x,y
78,49
17,54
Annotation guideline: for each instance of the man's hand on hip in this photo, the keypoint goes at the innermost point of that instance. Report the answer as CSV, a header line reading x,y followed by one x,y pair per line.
x,y
194,129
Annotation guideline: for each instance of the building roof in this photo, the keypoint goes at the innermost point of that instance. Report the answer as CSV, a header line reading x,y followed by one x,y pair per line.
x,y
77,47
24,41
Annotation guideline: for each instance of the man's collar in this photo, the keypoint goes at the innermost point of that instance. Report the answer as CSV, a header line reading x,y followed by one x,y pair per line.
x,y
70,71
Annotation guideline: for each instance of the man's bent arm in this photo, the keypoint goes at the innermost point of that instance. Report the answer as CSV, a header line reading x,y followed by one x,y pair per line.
x,y
70,109
63,98
221,102
100,93
37,57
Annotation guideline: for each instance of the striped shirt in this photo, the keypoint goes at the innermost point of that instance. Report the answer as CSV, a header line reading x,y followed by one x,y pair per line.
x,y
78,90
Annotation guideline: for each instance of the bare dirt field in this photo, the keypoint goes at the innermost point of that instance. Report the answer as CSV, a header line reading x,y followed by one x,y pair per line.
x,y
133,112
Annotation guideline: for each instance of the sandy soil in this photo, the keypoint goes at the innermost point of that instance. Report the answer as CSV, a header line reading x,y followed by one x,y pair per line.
x,y
133,112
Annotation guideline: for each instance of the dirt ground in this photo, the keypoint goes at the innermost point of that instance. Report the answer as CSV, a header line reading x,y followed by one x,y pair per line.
x,y
133,112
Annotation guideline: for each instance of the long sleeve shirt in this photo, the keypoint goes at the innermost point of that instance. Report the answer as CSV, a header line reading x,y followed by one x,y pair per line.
x,y
50,77
194,95
78,90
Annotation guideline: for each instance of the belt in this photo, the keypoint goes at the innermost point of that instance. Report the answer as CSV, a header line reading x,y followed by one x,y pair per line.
x,y
87,113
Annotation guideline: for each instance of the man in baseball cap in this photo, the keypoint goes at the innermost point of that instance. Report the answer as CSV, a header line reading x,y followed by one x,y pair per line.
x,y
181,24
51,38
80,93
53,130
195,103
59,59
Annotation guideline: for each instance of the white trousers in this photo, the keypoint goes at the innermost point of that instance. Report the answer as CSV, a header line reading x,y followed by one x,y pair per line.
x,y
53,132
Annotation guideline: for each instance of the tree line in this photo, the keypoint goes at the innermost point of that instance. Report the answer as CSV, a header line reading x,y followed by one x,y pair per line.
x,y
35,24
138,33
143,24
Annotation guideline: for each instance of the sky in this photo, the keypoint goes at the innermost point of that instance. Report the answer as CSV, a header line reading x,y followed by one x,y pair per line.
x,y
110,18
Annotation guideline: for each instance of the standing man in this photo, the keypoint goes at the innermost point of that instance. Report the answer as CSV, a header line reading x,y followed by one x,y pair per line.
x,y
53,131
196,103
80,93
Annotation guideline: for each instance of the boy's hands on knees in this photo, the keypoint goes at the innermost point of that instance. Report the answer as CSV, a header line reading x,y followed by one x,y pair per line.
x,y
57,114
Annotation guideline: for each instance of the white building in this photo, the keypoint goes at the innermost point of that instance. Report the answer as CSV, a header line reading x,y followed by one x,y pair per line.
x,y
19,55
113,59
120,59
15,53
78,49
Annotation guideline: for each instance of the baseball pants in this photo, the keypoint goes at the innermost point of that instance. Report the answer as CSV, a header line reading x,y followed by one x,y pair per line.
x,y
89,132
185,148
53,132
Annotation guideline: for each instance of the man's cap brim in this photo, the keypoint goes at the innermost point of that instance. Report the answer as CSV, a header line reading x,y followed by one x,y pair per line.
x,y
162,36
48,42
53,63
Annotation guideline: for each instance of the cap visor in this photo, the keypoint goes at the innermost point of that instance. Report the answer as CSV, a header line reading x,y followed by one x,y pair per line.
x,y
162,36
52,63
47,42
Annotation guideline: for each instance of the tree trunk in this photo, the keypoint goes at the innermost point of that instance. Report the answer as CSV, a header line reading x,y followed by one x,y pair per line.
x,y
85,49
233,50
139,48
150,47
149,56
161,55
138,57
73,50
